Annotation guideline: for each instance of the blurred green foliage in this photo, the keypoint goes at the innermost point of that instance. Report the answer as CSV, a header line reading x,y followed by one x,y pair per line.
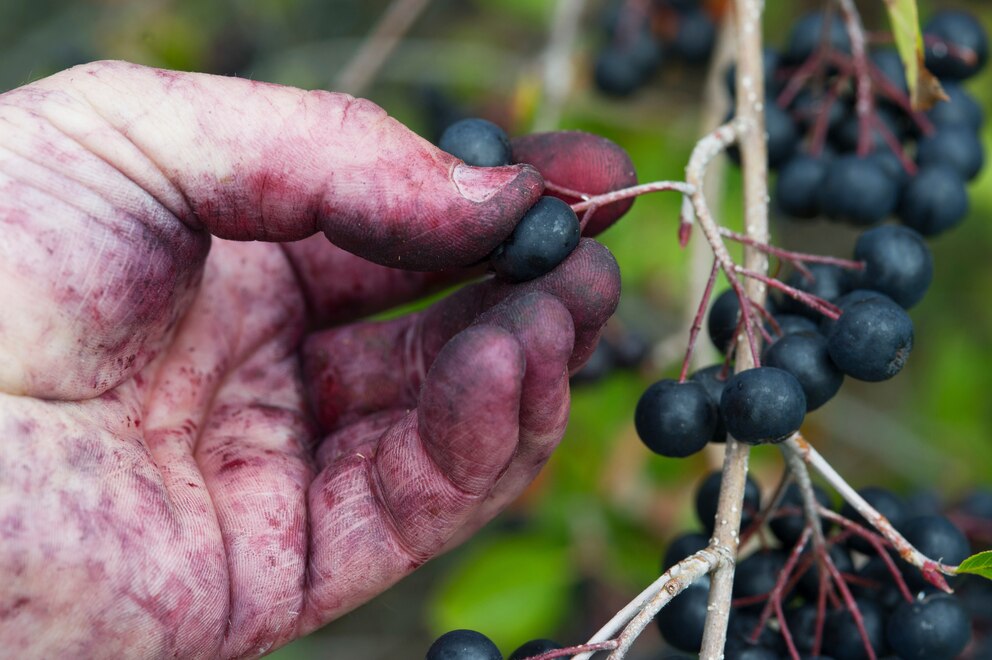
x,y
592,530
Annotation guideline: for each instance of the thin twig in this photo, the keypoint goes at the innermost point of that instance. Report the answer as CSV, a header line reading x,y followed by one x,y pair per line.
x,y
864,96
704,559
557,70
750,94
681,576
377,47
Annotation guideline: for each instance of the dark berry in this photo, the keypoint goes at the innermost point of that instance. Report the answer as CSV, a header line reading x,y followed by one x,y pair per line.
x,y
695,37
894,168
675,419
841,638
807,35
956,147
851,298
629,348
936,537
756,576
887,503
682,547
871,340
597,367
960,109
713,379
762,405
534,647
936,627
978,504
789,324
721,324
857,190
961,30
681,621
897,262
547,233
708,495
783,135
477,142
828,282
934,201
624,66
463,645
788,528
805,356
797,188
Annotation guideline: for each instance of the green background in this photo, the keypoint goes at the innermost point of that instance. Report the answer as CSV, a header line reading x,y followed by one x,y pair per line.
x,y
592,529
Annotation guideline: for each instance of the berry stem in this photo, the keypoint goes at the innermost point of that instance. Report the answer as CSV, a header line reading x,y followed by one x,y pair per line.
x,y
796,259
775,596
829,310
865,101
697,321
567,192
572,650
877,542
634,191
849,602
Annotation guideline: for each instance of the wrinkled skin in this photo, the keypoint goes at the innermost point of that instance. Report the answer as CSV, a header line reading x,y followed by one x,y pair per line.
x,y
205,453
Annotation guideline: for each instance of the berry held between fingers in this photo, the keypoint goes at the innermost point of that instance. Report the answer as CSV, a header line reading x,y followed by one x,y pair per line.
x,y
547,233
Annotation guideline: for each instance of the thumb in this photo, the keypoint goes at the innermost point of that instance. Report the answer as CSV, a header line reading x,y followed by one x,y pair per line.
x,y
247,160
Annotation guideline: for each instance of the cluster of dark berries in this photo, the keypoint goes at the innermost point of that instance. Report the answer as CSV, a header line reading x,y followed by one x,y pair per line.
x,y
546,234
902,614
806,355
640,35
888,160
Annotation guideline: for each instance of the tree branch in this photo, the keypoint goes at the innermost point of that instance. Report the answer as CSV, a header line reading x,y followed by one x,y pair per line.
x,y
754,157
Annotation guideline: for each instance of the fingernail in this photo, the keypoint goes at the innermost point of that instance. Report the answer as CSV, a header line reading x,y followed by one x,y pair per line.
x,y
479,184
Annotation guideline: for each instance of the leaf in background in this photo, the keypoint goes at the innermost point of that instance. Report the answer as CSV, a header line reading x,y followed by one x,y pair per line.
x,y
980,564
924,88
510,589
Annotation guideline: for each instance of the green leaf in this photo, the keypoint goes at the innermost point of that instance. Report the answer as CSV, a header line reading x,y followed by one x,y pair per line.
x,y
510,589
924,88
980,564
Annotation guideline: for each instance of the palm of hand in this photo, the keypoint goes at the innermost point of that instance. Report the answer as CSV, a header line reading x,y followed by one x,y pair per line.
x,y
249,473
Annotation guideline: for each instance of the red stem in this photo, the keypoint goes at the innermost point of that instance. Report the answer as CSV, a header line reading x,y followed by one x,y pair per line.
x,y
697,322
794,258
816,303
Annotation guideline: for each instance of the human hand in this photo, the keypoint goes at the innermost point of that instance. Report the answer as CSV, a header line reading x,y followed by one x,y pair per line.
x,y
205,453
